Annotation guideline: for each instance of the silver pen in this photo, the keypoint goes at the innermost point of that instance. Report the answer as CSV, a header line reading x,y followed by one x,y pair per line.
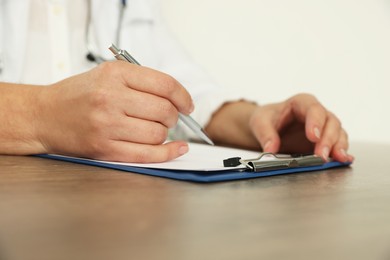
x,y
187,120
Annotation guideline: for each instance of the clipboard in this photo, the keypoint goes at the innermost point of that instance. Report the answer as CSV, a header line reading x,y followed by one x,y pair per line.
x,y
234,168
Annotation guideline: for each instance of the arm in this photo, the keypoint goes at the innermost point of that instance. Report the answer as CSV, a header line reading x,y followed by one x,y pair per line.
x,y
18,109
298,125
117,111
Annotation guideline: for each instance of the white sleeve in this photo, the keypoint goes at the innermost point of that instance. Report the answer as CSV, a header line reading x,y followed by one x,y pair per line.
x,y
173,60
148,39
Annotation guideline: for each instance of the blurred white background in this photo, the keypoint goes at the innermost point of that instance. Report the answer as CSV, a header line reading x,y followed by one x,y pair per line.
x,y
338,50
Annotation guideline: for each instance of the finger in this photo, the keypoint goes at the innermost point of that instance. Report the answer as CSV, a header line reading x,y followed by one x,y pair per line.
x,y
156,83
137,130
331,134
265,131
142,153
315,122
149,107
339,151
309,111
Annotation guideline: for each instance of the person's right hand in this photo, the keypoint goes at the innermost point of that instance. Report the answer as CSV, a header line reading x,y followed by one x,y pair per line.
x,y
117,111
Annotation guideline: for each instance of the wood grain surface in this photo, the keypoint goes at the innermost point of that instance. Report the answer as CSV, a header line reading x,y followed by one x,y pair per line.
x,y
57,210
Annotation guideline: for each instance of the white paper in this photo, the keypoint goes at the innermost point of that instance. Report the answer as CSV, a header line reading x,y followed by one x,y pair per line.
x,y
201,157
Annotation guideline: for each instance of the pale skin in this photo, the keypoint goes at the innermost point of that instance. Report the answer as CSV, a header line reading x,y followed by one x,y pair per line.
x,y
122,112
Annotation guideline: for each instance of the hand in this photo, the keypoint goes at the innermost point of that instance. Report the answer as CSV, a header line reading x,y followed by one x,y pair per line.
x,y
117,111
300,125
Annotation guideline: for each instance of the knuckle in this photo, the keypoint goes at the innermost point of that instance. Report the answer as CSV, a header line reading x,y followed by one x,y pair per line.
x,y
335,120
106,67
304,96
168,84
337,123
143,155
307,98
318,109
168,113
158,134
100,98
166,156
166,107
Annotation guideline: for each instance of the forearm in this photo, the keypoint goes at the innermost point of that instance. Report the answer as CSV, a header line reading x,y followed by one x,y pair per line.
x,y
19,119
229,126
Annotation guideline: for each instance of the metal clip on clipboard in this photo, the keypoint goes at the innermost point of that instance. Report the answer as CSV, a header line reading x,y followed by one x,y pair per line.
x,y
280,162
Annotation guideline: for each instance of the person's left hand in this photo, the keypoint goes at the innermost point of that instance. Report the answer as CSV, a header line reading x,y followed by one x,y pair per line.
x,y
300,124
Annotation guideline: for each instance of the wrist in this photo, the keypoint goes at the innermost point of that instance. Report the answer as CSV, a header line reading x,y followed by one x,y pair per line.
x,y
18,131
230,125
41,107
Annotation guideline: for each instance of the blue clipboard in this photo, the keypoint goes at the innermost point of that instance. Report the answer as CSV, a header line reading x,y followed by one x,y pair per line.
x,y
200,176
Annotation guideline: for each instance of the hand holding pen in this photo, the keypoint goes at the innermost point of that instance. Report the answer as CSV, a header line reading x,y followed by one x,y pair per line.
x,y
187,120
116,111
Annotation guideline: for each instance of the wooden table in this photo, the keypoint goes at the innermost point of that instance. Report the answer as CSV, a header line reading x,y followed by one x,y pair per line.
x,y
56,210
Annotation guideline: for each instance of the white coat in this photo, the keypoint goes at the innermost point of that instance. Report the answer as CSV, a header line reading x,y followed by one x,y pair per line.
x,y
143,32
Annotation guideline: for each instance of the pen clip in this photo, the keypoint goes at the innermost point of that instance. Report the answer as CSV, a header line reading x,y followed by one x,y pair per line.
x,y
123,55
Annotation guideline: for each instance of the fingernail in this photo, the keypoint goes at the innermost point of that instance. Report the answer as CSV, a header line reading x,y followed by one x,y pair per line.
x,y
347,157
317,132
267,145
344,153
325,153
183,149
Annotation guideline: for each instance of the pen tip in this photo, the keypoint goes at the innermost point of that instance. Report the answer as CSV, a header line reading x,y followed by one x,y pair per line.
x,y
206,138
